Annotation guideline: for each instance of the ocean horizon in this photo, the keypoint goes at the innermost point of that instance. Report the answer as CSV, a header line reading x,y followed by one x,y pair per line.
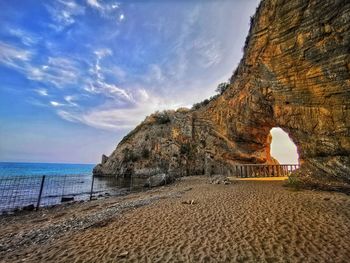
x,y
42,168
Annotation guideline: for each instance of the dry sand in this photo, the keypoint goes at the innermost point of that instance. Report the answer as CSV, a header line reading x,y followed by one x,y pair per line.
x,y
247,221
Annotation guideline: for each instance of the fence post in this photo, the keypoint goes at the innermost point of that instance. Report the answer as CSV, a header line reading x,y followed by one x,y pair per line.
x,y
40,192
92,186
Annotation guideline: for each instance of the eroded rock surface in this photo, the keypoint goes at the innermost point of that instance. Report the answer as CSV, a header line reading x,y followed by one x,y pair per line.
x,y
295,74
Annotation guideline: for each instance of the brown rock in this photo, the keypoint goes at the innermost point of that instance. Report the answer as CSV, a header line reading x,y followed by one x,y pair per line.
x,y
294,74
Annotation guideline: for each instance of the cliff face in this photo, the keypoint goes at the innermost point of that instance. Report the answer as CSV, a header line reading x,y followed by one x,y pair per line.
x,y
295,74
180,143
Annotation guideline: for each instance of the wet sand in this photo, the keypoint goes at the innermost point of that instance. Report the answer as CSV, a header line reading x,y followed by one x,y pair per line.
x,y
246,221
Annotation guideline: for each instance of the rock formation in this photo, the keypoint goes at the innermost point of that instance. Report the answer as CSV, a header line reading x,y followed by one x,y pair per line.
x,y
295,74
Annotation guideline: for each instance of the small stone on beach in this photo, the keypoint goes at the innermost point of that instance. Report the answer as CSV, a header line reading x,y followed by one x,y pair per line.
x,y
189,202
123,254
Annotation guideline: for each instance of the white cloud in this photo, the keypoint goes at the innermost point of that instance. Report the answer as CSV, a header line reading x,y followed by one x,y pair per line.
x,y
107,10
14,57
113,91
114,118
97,83
56,104
63,13
59,71
9,53
42,92
71,100
25,37
94,3
103,52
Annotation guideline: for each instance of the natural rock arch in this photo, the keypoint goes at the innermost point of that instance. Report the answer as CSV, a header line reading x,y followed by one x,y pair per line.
x,y
295,74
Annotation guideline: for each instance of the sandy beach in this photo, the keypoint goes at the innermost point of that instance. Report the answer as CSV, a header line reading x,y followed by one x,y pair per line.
x,y
189,221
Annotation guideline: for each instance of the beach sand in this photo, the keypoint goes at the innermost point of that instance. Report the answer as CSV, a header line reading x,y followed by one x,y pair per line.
x,y
246,221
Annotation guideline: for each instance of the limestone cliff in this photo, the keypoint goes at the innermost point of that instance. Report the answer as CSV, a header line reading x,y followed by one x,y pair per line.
x,y
181,142
295,74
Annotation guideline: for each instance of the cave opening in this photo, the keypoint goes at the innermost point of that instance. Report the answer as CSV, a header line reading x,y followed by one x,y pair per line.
x,y
283,149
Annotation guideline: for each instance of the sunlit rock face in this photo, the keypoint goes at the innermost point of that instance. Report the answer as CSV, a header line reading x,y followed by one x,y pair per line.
x,y
181,143
295,74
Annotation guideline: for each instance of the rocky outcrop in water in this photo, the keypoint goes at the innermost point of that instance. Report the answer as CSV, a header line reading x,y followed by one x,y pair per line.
x,y
295,74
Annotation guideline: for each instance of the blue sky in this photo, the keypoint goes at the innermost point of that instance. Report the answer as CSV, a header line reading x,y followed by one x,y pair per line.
x,y
77,75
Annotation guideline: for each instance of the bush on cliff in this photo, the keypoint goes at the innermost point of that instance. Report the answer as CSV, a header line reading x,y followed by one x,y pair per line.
x,y
222,87
162,117
220,90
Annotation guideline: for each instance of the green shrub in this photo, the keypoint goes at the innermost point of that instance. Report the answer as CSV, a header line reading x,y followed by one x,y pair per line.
x,y
162,117
222,87
293,182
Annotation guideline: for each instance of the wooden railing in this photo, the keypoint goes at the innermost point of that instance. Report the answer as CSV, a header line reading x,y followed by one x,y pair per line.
x,y
264,170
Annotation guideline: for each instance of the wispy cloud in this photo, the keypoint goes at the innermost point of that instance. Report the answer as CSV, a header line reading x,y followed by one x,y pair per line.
x,y
56,104
98,85
42,92
94,3
107,10
14,57
71,100
64,13
208,50
26,38
59,71
114,118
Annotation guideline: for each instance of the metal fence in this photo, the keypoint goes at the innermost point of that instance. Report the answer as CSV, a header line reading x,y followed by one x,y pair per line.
x,y
32,192
264,170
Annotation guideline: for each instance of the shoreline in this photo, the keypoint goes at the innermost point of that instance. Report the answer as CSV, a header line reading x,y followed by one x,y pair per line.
x,y
188,221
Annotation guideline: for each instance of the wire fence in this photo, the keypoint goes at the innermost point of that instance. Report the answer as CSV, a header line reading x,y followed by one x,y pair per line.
x,y
31,192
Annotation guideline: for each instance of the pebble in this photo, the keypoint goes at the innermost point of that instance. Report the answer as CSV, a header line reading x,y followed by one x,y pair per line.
x,y
76,222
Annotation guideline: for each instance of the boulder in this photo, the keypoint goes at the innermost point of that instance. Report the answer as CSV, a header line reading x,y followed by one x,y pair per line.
x,y
159,180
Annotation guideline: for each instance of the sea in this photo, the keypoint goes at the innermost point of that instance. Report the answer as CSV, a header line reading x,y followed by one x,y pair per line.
x,y
28,169
28,185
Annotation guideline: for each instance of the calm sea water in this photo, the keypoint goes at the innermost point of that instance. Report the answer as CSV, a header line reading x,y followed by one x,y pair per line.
x,y
24,169
20,184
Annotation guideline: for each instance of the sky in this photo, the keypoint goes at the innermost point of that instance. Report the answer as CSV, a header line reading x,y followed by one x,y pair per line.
x,y
77,75
283,148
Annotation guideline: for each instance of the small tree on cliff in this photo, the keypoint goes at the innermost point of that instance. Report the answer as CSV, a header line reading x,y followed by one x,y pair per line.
x,y
222,87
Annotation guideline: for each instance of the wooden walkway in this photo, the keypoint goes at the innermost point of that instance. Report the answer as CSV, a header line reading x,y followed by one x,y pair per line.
x,y
264,170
